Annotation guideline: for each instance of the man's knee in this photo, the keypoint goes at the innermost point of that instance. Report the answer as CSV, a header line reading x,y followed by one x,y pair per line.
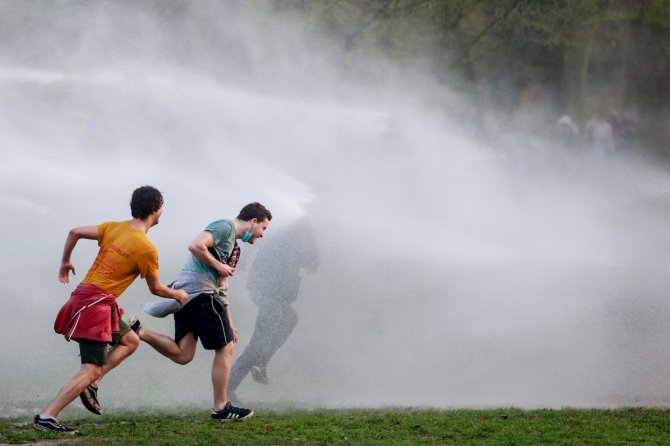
x,y
184,358
92,371
131,340
186,349
96,373
228,349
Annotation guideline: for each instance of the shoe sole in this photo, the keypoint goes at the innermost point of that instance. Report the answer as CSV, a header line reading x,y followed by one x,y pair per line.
x,y
228,420
85,400
39,427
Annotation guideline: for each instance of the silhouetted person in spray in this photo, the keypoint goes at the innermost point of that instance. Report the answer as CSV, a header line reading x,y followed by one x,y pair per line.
x,y
91,316
273,284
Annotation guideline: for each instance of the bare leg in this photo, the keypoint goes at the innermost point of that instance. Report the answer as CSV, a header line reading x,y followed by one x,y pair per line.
x,y
223,360
181,352
88,373
126,347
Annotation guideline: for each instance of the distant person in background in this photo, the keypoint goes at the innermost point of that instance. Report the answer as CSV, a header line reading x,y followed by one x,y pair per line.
x,y
206,314
91,316
601,136
273,284
568,133
616,121
629,132
624,128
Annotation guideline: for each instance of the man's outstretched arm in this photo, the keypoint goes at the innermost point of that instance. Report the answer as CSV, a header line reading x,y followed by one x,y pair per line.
x,y
199,247
158,289
86,232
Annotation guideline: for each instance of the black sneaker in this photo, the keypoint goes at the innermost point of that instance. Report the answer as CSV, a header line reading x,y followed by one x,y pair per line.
x,y
50,424
89,398
232,413
135,324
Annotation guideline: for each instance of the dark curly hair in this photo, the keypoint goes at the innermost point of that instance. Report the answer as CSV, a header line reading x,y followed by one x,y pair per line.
x,y
254,210
145,201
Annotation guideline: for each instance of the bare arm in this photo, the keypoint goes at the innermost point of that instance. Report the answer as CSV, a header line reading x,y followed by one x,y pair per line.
x,y
158,289
232,327
199,247
85,232
223,282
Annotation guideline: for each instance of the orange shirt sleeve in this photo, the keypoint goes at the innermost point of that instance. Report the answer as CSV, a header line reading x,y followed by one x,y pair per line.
x,y
102,230
148,264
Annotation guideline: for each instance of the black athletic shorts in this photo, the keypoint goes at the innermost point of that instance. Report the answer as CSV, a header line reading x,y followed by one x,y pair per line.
x,y
206,317
95,352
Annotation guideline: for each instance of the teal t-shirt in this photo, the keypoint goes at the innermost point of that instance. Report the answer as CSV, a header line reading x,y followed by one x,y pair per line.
x,y
223,232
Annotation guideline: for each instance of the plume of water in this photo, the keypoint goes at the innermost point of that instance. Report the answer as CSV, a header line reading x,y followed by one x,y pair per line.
x,y
453,273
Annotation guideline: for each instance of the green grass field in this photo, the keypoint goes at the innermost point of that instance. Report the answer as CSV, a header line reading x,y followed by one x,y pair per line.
x,y
377,427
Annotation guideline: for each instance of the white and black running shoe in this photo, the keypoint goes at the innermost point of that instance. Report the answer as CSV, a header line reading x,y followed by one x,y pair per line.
x,y
135,324
232,413
50,424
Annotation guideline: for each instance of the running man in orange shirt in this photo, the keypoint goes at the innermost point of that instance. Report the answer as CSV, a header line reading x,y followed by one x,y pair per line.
x,y
91,316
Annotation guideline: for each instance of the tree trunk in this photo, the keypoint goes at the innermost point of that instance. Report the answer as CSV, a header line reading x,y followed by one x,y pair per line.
x,y
584,89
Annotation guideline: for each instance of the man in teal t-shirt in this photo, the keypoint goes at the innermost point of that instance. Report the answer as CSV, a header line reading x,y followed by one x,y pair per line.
x,y
223,234
206,314
197,277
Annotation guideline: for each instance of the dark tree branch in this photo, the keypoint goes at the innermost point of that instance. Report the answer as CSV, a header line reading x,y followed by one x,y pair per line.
x,y
484,32
351,37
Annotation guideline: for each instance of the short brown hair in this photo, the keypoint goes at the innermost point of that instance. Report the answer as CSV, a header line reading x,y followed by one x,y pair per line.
x,y
145,201
254,210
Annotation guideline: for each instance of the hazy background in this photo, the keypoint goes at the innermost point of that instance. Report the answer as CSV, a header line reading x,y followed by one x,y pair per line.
x,y
456,269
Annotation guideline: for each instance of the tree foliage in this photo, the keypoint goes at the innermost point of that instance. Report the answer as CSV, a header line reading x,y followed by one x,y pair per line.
x,y
594,54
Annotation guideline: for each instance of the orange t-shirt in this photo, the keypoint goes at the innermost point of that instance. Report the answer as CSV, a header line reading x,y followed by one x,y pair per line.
x,y
125,252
